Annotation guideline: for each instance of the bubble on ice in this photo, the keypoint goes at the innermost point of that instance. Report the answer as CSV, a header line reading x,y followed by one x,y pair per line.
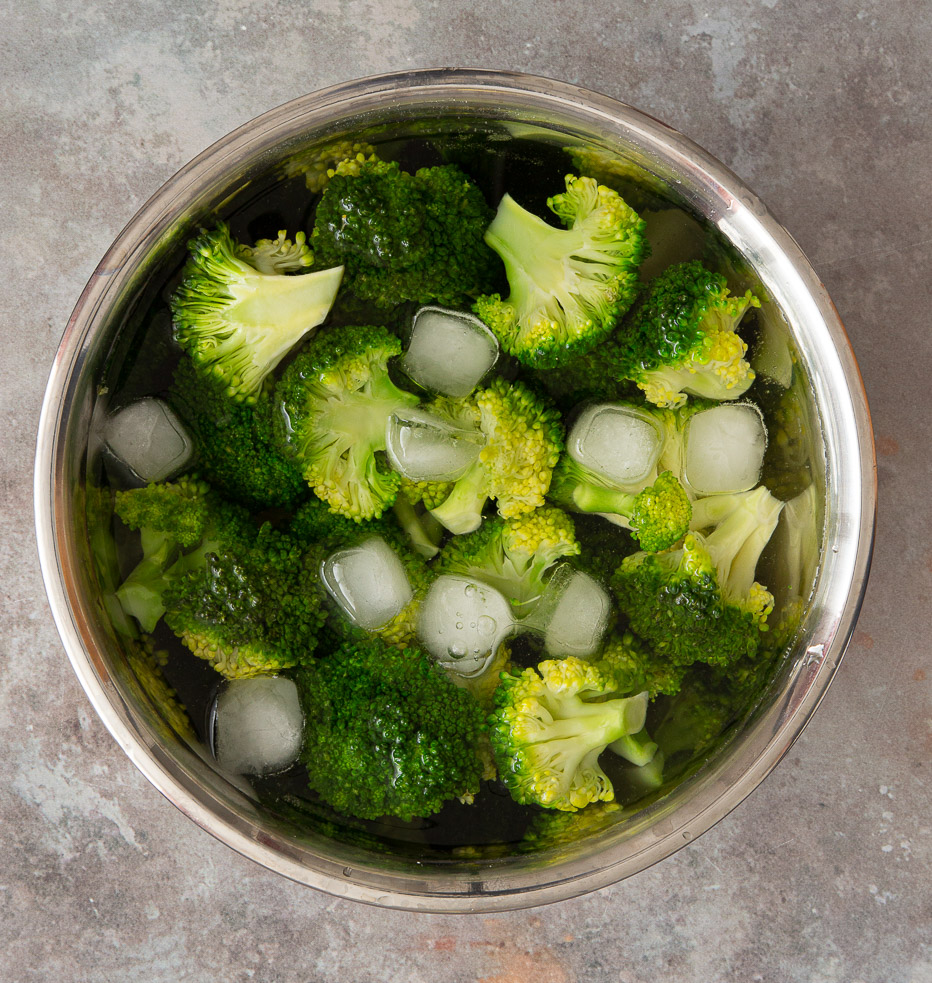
x,y
368,582
149,439
258,725
462,622
423,447
449,351
724,449
621,443
573,613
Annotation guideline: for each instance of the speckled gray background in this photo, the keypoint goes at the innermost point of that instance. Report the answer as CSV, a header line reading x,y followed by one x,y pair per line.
x,y
823,875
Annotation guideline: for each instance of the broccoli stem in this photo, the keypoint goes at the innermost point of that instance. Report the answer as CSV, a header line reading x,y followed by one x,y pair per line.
x,y
637,748
140,595
415,528
461,511
593,498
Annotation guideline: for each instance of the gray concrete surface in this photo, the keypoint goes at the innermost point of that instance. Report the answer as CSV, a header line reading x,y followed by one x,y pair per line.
x,y
823,875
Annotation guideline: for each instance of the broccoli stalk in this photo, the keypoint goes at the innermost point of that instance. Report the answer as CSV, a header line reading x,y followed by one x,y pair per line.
x,y
523,443
658,515
568,286
549,726
236,322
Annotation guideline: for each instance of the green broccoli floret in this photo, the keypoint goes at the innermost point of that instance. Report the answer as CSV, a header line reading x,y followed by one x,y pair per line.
x,y
658,515
700,602
146,663
233,440
514,556
635,668
279,255
404,236
249,611
523,443
334,401
694,718
552,830
549,727
317,164
325,533
387,733
237,323
681,338
178,523
568,286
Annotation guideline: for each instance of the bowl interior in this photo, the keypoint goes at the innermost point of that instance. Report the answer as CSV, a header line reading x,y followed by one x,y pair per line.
x,y
120,348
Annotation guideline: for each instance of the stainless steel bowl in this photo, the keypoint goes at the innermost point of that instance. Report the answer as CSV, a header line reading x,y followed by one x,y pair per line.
x,y
404,105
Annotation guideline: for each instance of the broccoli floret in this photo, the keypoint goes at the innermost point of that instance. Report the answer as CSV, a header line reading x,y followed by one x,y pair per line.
x,y
514,556
523,443
658,515
178,523
404,236
279,255
146,663
553,830
317,164
549,727
568,286
249,611
334,401
681,338
635,668
387,733
700,602
233,440
237,323
694,718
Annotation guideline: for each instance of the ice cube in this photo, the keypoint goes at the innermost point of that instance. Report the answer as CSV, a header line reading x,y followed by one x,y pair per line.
x,y
724,449
258,725
424,447
461,623
149,439
621,443
368,582
449,351
572,613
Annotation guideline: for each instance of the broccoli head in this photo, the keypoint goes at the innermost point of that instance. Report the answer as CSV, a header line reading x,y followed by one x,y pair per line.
x,y
658,515
387,733
334,401
568,287
279,255
681,338
513,555
405,237
233,440
635,668
700,602
523,443
549,726
236,322
249,611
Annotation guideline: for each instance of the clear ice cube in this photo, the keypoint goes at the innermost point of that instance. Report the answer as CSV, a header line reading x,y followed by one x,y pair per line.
x,y
258,725
573,614
462,622
621,443
149,439
449,351
368,582
724,449
424,447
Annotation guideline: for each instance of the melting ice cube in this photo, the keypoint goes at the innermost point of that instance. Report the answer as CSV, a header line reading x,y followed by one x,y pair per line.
x,y
368,582
573,613
149,439
724,449
424,447
462,622
258,725
621,443
449,351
